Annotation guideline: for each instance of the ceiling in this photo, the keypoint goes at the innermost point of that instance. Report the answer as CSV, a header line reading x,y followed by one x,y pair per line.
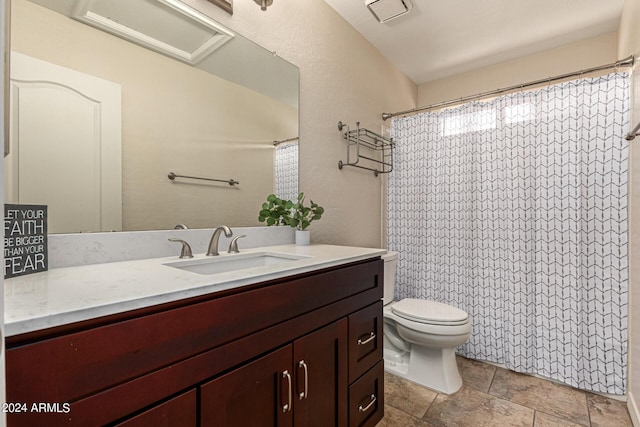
x,y
440,38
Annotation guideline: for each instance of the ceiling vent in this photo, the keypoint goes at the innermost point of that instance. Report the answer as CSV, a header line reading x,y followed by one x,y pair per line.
x,y
386,10
166,26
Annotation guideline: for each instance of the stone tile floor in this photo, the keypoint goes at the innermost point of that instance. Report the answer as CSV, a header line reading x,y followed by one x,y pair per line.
x,y
495,397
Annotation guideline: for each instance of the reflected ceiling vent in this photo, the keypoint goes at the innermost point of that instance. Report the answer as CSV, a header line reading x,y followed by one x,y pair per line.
x,y
152,24
386,10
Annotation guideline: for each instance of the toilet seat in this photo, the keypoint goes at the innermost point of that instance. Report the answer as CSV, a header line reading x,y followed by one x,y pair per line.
x,y
429,312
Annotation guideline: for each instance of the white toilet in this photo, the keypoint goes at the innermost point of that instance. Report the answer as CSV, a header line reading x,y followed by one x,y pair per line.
x,y
420,336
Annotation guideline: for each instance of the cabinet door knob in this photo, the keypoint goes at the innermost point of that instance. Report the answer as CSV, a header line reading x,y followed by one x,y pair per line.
x,y
305,392
371,337
287,406
372,400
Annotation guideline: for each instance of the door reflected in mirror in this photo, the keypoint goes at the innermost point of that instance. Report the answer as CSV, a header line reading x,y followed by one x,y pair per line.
x,y
218,119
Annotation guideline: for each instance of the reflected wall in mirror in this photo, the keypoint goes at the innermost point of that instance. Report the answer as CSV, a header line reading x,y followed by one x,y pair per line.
x,y
216,119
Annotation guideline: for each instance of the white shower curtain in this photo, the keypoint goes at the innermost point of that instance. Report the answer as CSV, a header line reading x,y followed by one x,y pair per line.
x,y
286,171
515,210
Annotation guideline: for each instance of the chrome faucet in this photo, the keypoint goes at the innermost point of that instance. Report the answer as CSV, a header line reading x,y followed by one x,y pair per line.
x,y
213,243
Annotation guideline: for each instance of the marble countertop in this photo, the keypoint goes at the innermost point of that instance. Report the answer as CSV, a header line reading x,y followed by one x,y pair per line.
x,y
66,295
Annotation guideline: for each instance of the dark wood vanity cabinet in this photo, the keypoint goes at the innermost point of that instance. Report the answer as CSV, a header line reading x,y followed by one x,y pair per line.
x,y
299,351
302,384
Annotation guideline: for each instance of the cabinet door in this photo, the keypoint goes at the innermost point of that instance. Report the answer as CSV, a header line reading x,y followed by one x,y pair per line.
x,y
258,394
320,362
180,411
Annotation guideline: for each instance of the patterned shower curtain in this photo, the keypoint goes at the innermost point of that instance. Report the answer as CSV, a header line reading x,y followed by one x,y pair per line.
x,y
286,171
515,210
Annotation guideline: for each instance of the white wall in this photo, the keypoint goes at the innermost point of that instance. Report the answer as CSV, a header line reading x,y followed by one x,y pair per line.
x,y
563,59
342,77
629,43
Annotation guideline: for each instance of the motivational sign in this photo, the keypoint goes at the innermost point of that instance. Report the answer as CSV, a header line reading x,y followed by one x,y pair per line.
x,y
25,239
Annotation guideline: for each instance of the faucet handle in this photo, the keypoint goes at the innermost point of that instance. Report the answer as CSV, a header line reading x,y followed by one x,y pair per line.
x,y
186,249
233,246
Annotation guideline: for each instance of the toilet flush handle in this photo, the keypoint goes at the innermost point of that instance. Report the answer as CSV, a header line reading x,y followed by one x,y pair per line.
x,y
371,337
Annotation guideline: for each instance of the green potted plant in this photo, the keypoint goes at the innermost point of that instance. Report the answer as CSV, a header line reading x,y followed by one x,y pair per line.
x,y
277,211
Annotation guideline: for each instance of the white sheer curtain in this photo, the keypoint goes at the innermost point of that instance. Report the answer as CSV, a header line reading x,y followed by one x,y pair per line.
x,y
515,210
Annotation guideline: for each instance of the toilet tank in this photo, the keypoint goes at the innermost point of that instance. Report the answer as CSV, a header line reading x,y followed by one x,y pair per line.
x,y
390,264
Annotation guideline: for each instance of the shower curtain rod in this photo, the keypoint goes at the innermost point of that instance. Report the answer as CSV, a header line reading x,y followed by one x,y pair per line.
x,y
627,62
276,143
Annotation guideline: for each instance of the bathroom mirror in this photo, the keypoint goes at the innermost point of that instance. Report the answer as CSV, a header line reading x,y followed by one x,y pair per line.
x,y
213,115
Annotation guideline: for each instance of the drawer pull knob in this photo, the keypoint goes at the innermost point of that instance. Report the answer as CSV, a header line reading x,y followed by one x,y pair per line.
x,y
287,406
372,399
305,393
371,337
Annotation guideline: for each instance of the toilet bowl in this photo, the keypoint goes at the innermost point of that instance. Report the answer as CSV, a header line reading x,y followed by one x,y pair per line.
x,y
420,336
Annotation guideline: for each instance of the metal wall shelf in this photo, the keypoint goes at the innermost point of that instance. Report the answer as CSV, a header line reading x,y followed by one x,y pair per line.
x,y
359,138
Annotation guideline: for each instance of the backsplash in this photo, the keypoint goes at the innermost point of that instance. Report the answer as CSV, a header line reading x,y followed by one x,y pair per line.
x,y
68,250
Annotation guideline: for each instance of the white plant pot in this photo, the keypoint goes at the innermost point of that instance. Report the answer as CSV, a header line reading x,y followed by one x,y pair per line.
x,y
303,237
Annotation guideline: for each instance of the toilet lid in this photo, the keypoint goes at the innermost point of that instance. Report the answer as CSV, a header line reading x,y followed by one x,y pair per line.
x,y
426,311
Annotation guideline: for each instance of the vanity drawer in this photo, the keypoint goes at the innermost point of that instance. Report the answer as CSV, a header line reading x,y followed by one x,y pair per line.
x,y
365,340
180,411
366,398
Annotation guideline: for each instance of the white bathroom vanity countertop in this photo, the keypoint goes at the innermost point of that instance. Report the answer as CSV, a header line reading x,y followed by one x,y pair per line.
x,y
66,295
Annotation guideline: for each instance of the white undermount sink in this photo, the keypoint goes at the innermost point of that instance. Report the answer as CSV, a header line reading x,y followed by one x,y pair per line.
x,y
226,263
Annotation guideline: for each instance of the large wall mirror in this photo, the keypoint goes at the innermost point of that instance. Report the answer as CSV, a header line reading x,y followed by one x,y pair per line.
x,y
108,97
